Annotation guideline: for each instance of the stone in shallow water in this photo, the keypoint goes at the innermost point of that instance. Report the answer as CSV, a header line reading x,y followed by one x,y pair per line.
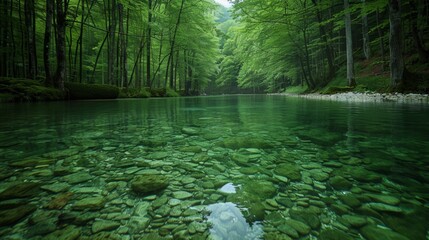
x,y
77,177
56,187
90,203
384,199
384,207
291,171
334,234
42,228
31,162
104,225
20,190
146,184
305,215
190,131
363,175
60,201
158,155
67,233
319,175
299,226
340,183
372,232
355,221
182,195
286,229
14,215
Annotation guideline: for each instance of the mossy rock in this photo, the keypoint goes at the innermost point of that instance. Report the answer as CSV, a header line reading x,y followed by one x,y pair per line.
x,y
78,91
26,90
134,93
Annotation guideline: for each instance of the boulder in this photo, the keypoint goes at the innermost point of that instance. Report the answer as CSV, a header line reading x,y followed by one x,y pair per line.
x,y
146,184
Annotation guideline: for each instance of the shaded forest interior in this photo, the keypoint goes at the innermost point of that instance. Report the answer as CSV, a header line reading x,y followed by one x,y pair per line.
x,y
189,47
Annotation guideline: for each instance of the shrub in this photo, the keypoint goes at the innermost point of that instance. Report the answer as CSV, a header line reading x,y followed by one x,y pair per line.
x,y
171,93
134,93
78,91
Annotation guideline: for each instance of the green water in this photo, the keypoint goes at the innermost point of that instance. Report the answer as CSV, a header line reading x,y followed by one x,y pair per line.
x,y
228,167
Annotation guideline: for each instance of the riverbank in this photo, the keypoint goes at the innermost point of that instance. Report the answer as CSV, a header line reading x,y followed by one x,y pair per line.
x,y
365,97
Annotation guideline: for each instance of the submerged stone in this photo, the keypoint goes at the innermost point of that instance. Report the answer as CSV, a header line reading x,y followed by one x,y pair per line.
x,y
355,221
291,171
20,190
90,203
334,234
146,184
384,207
182,195
390,200
68,233
372,232
77,177
14,215
340,183
104,225
31,162
56,187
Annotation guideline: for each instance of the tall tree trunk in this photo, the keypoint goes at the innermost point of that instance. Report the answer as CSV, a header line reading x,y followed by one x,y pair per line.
x,y
81,43
60,75
121,42
349,46
397,65
423,53
365,35
328,49
381,37
30,38
149,45
173,43
23,41
111,42
47,42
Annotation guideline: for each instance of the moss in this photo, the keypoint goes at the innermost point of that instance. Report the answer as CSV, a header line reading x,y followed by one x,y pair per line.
x,y
296,89
163,92
134,93
91,91
24,90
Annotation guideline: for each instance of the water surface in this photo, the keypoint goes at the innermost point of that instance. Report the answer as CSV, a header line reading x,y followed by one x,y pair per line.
x,y
225,167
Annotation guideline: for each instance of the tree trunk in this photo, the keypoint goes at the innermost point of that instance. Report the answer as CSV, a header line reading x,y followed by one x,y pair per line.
x,y
47,42
365,35
397,65
81,43
149,45
381,37
349,46
111,42
173,43
423,53
60,75
121,41
30,38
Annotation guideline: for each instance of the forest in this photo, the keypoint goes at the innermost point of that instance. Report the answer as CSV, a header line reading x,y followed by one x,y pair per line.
x,y
192,47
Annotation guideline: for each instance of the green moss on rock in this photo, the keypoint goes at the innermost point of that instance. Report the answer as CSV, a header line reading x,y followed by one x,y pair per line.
x,y
77,91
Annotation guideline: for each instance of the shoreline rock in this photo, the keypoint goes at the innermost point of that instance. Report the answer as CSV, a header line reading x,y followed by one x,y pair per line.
x,y
365,97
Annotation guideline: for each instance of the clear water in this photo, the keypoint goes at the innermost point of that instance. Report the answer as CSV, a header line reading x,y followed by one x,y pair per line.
x,y
238,167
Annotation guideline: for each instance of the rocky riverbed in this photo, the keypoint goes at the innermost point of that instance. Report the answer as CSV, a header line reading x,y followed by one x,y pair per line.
x,y
210,179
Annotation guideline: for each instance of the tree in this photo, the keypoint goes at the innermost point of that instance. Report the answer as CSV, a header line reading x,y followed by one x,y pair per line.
x,y
349,46
47,42
60,74
397,66
30,23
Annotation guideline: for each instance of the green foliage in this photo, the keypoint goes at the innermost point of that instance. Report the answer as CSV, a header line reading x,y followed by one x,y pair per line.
x,y
134,93
25,90
337,89
171,93
78,91
296,89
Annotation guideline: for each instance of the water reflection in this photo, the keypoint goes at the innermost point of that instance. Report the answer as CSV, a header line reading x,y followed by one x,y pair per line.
x,y
228,188
228,223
